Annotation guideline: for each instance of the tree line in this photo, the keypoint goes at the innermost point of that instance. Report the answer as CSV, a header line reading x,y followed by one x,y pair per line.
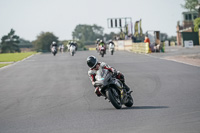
x,y
82,34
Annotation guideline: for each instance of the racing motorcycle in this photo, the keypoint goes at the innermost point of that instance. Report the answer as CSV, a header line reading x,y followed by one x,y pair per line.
x,y
102,51
111,48
112,89
54,50
72,50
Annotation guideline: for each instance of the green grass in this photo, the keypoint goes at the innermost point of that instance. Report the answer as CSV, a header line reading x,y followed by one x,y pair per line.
x,y
2,65
13,57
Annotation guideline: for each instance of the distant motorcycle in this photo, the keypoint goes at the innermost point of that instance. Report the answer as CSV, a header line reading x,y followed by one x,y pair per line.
x,y
112,89
111,48
72,50
102,51
54,50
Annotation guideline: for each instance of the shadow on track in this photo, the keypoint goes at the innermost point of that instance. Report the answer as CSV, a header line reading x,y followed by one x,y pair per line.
x,y
138,107
146,107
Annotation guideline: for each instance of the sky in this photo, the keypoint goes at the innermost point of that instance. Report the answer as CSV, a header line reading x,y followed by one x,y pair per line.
x,y
31,17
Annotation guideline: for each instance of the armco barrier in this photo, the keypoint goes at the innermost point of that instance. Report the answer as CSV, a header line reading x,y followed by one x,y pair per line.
x,y
119,45
92,48
130,46
140,48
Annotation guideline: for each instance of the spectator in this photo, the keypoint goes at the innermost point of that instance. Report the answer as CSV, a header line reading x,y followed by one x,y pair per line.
x,y
147,40
157,48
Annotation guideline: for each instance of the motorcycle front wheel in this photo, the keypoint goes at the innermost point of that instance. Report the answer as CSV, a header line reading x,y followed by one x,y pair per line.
x,y
112,52
114,98
130,101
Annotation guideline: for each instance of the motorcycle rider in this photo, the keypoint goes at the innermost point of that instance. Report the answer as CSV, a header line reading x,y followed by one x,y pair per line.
x,y
111,43
53,44
94,66
76,45
73,44
70,44
97,43
101,43
61,48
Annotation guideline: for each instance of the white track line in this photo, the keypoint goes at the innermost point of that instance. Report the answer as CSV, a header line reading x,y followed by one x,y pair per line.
x,y
14,63
180,62
172,60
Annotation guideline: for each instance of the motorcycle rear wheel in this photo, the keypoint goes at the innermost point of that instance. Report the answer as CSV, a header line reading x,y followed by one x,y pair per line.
x,y
114,99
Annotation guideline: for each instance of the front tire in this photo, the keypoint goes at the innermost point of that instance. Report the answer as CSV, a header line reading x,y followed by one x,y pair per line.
x,y
101,53
130,101
114,99
112,52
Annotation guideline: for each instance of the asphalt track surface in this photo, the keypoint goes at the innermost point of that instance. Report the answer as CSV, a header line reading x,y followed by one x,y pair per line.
x,y
47,94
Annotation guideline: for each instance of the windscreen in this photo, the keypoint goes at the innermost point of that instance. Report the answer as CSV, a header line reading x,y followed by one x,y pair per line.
x,y
101,74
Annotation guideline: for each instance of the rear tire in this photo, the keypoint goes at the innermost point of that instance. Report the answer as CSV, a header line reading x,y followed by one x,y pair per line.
x,y
115,102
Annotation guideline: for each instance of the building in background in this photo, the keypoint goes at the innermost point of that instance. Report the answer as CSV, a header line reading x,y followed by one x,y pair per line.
x,y
186,30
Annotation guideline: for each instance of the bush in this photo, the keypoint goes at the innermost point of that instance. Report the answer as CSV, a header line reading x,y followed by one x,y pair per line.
x,y
196,24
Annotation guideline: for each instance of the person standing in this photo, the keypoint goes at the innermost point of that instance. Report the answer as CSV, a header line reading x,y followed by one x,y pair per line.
x,y
147,40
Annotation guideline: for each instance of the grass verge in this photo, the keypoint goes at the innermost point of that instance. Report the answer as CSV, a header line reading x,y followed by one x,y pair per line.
x,y
13,57
2,65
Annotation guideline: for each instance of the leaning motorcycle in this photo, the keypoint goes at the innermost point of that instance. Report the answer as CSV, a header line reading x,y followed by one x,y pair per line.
x,y
112,89
53,50
102,51
72,50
